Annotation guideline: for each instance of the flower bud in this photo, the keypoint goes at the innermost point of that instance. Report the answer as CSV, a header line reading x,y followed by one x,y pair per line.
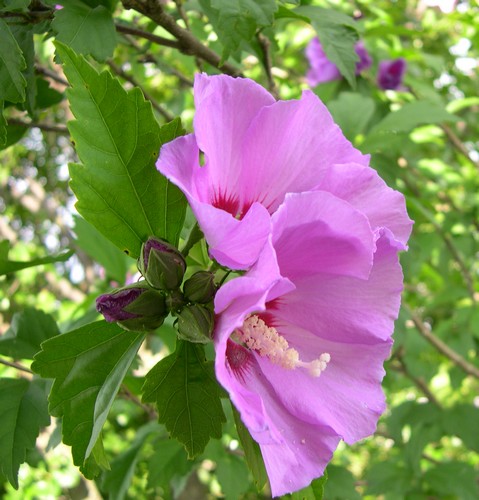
x,y
135,307
195,324
161,264
200,287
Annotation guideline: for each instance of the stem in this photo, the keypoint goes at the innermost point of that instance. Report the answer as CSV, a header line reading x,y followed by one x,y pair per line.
x,y
42,70
267,64
188,43
466,274
458,144
127,394
17,366
443,348
128,30
47,127
147,57
195,235
418,382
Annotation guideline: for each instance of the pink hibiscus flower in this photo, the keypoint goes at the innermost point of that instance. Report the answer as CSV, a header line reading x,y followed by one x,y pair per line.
x,y
255,151
301,338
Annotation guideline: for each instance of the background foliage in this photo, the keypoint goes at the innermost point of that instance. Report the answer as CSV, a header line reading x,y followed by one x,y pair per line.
x,y
127,73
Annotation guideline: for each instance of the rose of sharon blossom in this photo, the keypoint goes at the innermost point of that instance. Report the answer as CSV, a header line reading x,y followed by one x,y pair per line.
x,y
301,338
323,70
391,73
255,151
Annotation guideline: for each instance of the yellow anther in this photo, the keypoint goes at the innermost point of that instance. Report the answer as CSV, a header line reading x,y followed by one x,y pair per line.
x,y
266,340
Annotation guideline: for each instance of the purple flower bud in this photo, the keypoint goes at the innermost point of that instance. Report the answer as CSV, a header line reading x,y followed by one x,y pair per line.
x,y
135,307
161,264
195,324
200,287
391,73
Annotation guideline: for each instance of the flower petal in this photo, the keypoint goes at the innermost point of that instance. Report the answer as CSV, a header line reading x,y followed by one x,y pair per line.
x,y
232,242
287,149
179,162
316,232
295,451
347,397
225,108
363,188
347,309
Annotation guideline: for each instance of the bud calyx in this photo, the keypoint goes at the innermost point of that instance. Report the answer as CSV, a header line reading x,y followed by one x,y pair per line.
x,y
162,265
135,307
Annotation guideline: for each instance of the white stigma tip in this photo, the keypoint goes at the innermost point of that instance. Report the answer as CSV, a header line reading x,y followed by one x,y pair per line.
x,y
266,340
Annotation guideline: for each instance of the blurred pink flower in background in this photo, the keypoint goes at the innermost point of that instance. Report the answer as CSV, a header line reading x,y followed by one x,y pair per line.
x,y
323,70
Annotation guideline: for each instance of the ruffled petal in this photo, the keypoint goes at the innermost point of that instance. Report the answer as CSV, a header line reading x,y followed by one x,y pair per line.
x,y
294,451
233,243
316,232
363,188
347,396
179,162
300,449
347,309
287,149
225,108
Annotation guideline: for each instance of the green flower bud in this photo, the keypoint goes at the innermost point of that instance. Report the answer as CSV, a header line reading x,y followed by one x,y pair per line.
x,y
195,324
161,264
200,287
135,307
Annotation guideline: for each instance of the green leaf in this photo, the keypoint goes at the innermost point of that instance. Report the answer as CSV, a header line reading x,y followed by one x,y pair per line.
x,y
12,63
14,4
117,138
252,452
184,387
23,34
352,112
389,477
23,406
88,366
13,133
101,249
453,480
86,30
3,127
11,266
461,421
231,470
413,114
167,463
410,116
237,20
338,35
340,484
46,95
27,331
117,480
